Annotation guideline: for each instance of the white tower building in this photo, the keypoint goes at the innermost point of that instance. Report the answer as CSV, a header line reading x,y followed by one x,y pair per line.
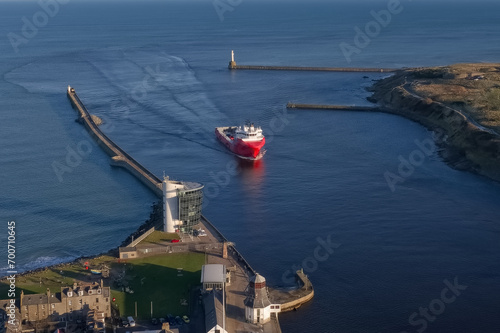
x,y
257,304
182,203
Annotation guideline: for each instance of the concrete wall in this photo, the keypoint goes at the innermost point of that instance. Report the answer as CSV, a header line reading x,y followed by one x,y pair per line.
x,y
141,237
289,306
296,303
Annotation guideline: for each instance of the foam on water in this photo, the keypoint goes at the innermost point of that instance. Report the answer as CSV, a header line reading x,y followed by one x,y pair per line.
x,y
323,173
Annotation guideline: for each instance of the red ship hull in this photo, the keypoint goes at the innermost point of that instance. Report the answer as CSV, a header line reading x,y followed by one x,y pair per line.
x,y
244,149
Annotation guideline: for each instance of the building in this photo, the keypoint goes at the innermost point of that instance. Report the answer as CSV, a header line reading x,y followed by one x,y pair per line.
x,y
214,312
127,252
95,322
213,276
71,304
258,308
182,203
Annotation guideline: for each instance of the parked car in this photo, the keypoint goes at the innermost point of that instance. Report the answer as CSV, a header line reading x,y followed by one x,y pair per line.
x,y
171,319
131,321
174,241
186,319
178,321
154,321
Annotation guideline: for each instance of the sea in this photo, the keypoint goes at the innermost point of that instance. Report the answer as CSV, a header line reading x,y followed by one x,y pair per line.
x,y
392,238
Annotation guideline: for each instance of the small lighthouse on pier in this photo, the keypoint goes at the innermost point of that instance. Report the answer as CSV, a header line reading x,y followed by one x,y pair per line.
x,y
257,304
232,63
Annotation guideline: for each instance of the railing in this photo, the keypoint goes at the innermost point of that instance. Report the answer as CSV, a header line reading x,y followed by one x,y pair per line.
x,y
224,239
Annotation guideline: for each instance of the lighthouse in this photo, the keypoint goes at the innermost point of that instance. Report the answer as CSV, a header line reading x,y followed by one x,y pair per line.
x,y
257,304
232,63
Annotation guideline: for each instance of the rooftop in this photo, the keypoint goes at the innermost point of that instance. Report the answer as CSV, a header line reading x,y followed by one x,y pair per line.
x,y
189,186
213,273
257,278
213,310
127,249
85,289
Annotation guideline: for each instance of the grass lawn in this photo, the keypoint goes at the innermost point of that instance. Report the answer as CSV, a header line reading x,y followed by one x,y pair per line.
x,y
153,279
54,277
160,236
158,280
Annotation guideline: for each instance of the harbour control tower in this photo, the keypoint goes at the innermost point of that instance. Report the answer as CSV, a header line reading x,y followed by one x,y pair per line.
x,y
182,203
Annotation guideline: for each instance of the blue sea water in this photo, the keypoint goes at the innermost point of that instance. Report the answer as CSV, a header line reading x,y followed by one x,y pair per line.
x,y
155,72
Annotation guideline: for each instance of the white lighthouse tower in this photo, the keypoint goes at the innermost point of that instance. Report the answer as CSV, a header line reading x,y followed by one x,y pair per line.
x,y
170,205
232,63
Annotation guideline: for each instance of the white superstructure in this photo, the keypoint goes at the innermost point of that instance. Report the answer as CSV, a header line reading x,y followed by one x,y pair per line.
x,y
249,132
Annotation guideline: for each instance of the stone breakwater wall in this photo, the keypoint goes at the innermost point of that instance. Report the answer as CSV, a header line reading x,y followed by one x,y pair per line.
x,y
313,69
118,156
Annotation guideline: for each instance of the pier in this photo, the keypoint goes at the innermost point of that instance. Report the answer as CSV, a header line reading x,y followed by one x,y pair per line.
x,y
314,69
118,156
333,107
233,66
292,299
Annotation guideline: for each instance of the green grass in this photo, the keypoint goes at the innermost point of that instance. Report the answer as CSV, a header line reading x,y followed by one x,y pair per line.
x,y
159,236
54,277
155,279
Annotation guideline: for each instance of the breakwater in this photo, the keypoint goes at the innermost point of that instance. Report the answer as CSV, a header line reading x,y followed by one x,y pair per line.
x,y
292,299
332,107
118,156
314,69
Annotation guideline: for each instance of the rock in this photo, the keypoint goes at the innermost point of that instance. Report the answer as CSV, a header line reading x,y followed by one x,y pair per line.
x,y
98,121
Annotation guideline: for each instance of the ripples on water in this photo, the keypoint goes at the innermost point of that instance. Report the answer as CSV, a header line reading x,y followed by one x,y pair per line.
x,y
156,74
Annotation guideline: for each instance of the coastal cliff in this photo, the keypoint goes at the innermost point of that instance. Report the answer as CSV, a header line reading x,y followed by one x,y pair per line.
x,y
461,103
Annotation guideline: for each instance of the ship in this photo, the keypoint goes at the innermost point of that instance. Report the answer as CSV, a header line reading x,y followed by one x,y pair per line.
x,y
244,141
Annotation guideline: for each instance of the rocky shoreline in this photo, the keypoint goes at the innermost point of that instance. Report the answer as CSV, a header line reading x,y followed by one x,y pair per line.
x,y
465,144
